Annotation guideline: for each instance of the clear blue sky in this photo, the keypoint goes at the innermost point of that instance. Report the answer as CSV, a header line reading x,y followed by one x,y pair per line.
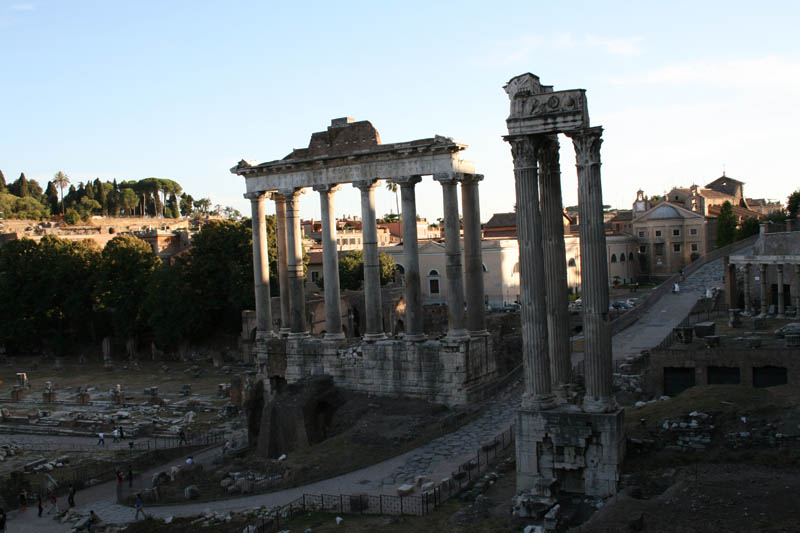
x,y
184,90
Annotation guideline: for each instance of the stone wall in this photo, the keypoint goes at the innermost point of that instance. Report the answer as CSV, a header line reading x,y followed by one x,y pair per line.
x,y
745,360
452,373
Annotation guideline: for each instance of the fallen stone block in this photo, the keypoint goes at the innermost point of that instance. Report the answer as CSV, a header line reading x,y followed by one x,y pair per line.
x,y
405,490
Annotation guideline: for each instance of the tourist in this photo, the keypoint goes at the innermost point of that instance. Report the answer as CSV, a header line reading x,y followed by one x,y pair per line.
x,y
101,439
92,521
119,477
130,476
116,434
2,520
71,497
190,460
139,507
121,433
39,504
676,288
53,503
23,500
181,438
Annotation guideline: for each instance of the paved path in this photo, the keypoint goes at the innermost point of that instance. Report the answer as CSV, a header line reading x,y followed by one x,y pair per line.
x,y
436,459
657,322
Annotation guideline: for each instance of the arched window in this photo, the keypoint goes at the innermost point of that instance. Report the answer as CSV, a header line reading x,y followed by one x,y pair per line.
x,y
516,269
613,258
571,262
630,256
433,282
622,258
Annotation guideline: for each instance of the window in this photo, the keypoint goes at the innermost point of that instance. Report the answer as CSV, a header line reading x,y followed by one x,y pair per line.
x,y
693,231
433,282
643,249
642,234
630,256
676,233
571,262
622,258
613,258
658,248
676,247
658,233
694,247
314,275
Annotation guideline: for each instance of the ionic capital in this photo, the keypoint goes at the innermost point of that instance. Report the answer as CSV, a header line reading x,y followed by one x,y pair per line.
x,y
327,187
470,179
587,143
366,185
407,181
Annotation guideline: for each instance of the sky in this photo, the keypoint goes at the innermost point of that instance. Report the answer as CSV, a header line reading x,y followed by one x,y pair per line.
x,y
185,89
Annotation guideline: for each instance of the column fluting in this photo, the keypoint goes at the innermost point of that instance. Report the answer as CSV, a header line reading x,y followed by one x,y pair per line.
x,y
763,282
283,263
535,356
747,288
594,272
260,263
781,302
296,276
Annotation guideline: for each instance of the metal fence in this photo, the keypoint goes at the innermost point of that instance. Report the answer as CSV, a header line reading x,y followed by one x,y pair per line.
x,y
699,314
384,504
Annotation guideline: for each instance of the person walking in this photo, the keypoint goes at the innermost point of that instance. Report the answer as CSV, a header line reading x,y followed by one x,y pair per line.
x,y
121,433
39,504
115,434
139,507
181,438
53,503
2,520
92,521
23,500
101,439
130,477
71,497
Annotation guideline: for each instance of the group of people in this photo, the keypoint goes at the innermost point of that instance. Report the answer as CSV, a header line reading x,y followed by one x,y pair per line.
x,y
118,434
130,477
53,507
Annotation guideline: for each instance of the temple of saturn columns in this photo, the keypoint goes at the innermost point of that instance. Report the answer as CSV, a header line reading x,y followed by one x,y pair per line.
x,y
451,370
567,439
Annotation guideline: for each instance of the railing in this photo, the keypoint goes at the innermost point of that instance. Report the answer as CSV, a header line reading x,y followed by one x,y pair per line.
x,y
634,314
382,504
715,310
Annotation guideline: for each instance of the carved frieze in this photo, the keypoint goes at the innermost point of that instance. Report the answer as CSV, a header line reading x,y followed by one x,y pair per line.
x,y
550,112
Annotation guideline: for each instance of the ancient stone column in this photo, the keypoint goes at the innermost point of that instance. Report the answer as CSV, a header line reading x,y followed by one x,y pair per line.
x,y
330,263
413,295
473,254
372,272
283,270
763,280
452,246
535,358
296,276
747,288
781,303
260,264
555,262
594,272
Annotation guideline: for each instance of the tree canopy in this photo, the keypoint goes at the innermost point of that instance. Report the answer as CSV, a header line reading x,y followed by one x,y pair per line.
x,y
726,225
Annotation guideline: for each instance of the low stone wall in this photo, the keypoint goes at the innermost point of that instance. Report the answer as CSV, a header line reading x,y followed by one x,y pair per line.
x,y
452,373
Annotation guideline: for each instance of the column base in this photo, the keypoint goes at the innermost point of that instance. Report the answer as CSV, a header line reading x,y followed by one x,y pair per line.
x,y
599,405
334,336
299,335
372,337
538,403
416,337
457,335
780,315
284,332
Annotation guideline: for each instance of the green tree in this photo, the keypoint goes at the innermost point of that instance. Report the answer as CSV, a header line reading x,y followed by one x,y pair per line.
x,y
61,180
351,270
792,204
175,308
202,206
186,204
19,187
392,186
726,225
220,271
124,274
3,186
72,216
128,200
387,267
750,226
51,197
